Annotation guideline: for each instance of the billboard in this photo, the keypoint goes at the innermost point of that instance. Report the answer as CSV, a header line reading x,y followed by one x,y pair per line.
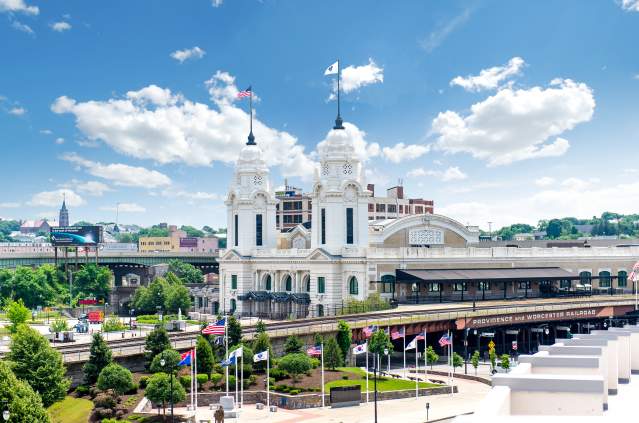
x,y
76,236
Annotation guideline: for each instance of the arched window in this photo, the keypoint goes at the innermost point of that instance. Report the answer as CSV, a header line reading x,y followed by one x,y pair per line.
x,y
622,279
388,284
604,279
353,289
288,283
585,278
268,283
308,284
233,305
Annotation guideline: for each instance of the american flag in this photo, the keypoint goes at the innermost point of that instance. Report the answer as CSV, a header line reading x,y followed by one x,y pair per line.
x,y
368,330
217,328
444,340
314,350
246,93
635,272
396,334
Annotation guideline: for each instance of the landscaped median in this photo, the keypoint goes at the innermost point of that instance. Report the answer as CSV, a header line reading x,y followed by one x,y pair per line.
x,y
356,376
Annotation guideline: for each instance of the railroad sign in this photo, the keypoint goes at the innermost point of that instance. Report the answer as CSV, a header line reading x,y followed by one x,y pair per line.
x,y
514,345
491,344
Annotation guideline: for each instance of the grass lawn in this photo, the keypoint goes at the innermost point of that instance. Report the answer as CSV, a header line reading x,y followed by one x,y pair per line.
x,y
357,376
71,410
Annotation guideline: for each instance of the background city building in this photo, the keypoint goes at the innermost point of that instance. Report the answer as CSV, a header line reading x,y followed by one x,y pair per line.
x,y
395,204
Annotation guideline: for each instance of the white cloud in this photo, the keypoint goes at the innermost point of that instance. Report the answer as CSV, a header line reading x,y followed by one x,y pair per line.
x,y
54,198
216,3
453,173
516,124
490,78
544,181
125,208
193,196
354,136
17,111
18,6
401,152
188,53
636,76
121,174
9,205
22,27
59,140
356,77
154,123
46,131
60,26
94,188
630,5
563,200
436,37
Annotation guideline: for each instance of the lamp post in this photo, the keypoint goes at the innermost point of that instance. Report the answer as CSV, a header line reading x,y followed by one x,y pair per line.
x,y
162,363
130,318
5,410
466,350
427,407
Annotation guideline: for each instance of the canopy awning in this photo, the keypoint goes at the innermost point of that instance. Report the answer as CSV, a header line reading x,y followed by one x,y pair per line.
x,y
254,296
301,298
280,297
490,274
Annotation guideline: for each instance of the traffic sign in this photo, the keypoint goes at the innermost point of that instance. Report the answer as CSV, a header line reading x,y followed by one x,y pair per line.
x,y
514,345
491,344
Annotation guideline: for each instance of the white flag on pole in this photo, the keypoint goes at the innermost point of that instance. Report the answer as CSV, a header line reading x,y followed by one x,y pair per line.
x,y
236,353
260,356
332,69
412,344
360,349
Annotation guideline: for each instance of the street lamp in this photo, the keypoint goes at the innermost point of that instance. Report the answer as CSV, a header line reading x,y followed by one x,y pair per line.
x,y
5,410
162,363
130,318
375,371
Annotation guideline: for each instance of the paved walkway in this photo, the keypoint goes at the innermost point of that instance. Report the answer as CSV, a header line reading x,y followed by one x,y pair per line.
x,y
391,411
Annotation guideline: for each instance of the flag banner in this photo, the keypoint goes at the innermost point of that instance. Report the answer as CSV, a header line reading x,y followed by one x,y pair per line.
x,y
186,358
237,353
444,340
634,275
314,350
412,344
332,69
228,362
260,356
360,349
217,328
368,330
396,334
246,93
219,340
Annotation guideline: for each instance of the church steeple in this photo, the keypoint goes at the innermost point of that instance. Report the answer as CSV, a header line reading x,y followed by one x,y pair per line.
x,y
63,219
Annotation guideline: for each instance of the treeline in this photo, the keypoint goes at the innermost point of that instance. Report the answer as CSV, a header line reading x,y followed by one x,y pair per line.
x,y
162,231
6,227
48,285
608,224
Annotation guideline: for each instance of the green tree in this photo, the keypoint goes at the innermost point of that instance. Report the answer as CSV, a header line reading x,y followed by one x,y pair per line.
x,y
157,292
99,358
554,228
344,337
186,271
260,326
177,298
293,345
295,364
27,285
234,331
431,356
171,359
142,301
458,361
17,314
318,339
38,364
474,360
505,361
492,355
59,325
92,281
333,357
205,359
158,390
192,232
262,342
156,341
378,342
25,405
115,377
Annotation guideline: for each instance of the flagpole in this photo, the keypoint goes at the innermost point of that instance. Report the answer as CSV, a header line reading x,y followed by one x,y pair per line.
x,y
226,368
404,337
425,355
195,375
416,370
389,353
192,377
338,121
242,377
268,387
237,398
322,351
366,373
452,370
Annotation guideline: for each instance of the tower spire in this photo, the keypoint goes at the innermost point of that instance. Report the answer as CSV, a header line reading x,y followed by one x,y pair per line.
x,y
338,119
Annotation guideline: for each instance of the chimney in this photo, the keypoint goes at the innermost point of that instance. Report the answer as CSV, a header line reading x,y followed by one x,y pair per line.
x,y
371,188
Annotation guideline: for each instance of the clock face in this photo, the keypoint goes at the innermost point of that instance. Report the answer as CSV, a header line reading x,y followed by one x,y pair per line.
x,y
348,169
257,180
325,169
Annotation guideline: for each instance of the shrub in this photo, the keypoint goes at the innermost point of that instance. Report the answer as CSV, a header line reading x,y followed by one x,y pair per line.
x,y
113,324
279,374
280,388
105,400
216,378
143,381
186,382
295,364
292,345
231,380
133,390
294,391
82,390
59,325
345,377
115,377
202,379
315,362
171,359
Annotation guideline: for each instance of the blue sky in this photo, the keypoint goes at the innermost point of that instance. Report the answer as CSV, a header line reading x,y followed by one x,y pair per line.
x,y
499,111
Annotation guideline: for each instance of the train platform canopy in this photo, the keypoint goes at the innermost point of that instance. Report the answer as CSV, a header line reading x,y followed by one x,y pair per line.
x,y
485,274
